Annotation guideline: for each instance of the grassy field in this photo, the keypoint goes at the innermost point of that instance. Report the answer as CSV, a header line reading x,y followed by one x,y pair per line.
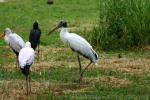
x,y
20,15
54,75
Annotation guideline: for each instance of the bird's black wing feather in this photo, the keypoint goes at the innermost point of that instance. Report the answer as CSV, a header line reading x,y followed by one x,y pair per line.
x,y
26,70
34,37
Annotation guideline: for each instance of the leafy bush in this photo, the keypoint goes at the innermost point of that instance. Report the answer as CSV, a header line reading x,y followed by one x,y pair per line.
x,y
122,24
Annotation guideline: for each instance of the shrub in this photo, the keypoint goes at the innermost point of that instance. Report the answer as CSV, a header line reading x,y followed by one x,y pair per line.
x,y
122,24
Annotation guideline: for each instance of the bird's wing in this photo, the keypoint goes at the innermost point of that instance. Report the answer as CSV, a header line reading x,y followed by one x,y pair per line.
x,y
6,39
26,57
35,34
16,42
19,39
80,45
39,36
77,37
34,37
30,56
30,36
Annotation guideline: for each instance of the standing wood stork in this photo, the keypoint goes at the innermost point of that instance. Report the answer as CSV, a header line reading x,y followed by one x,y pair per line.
x,y
15,42
34,37
78,45
26,58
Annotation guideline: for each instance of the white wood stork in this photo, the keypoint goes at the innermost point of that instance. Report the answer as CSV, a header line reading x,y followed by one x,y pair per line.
x,y
78,45
26,58
15,42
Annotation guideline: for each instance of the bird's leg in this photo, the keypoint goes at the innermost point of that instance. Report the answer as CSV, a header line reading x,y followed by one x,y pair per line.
x,y
17,62
38,51
79,64
30,82
81,75
27,84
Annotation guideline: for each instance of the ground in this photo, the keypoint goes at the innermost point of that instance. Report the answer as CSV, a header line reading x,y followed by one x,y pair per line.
x,y
55,74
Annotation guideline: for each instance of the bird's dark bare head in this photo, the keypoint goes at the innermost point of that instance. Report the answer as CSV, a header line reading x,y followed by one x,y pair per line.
x,y
62,24
35,25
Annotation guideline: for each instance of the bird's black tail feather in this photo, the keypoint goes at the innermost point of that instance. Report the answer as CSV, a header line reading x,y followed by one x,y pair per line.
x,y
95,56
26,70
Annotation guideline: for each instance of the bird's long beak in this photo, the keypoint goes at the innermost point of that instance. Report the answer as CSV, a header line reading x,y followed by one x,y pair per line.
x,y
53,30
2,35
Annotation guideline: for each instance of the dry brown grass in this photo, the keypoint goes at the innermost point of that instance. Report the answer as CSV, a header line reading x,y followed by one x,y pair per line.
x,y
109,81
125,65
15,89
147,48
49,57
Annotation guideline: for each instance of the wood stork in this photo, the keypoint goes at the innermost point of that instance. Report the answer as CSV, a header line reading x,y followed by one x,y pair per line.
x,y
15,42
78,45
26,58
34,37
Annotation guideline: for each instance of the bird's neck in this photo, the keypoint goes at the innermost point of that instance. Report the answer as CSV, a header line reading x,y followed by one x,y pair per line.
x,y
8,33
63,34
35,27
64,30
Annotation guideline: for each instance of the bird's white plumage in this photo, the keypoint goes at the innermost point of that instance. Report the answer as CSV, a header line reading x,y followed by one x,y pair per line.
x,y
78,44
26,55
14,40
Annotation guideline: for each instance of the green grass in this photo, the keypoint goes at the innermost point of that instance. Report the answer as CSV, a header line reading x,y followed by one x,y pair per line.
x,y
19,16
59,66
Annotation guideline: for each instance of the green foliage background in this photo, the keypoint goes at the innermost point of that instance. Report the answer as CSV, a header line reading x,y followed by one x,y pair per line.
x,y
122,24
